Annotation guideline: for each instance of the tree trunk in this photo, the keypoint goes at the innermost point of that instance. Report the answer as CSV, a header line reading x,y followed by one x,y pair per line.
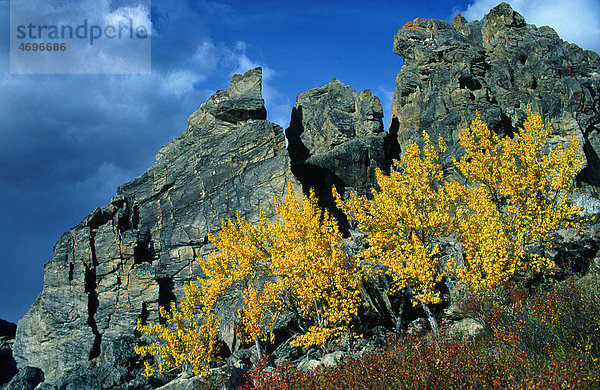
x,y
258,350
398,321
432,321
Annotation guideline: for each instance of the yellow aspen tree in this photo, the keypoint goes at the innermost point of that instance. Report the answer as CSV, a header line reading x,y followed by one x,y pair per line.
x,y
242,265
239,267
404,219
296,263
321,280
515,198
188,339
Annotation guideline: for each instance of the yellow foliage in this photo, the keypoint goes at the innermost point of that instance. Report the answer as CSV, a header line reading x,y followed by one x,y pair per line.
x,y
189,337
516,199
404,218
188,340
243,262
322,281
297,264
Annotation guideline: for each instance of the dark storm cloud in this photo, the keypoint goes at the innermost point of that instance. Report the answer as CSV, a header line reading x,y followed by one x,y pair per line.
x,y
66,141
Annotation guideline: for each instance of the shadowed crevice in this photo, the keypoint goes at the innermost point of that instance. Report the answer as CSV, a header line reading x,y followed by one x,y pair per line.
x,y
165,294
90,289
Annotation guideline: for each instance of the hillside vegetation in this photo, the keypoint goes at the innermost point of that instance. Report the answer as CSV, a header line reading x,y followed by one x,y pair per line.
x,y
295,272
547,338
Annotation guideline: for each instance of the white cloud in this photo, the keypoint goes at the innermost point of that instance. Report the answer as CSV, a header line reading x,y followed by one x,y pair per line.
x,y
576,21
139,15
179,82
56,137
96,51
241,46
206,57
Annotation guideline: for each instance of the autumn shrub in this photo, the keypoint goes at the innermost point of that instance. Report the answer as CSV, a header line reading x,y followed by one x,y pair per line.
x,y
404,218
187,340
509,357
504,214
515,198
557,326
320,281
295,265
553,320
419,363
283,377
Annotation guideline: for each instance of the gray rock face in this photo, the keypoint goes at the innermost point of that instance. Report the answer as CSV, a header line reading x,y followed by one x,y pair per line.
x,y
138,251
338,132
27,379
336,137
8,367
499,66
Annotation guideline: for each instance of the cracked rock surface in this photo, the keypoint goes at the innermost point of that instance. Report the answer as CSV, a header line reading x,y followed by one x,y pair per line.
x,y
336,137
499,65
139,250
337,132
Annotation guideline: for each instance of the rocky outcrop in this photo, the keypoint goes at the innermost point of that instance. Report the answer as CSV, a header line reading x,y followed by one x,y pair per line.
x,y
336,136
138,251
500,66
8,367
26,379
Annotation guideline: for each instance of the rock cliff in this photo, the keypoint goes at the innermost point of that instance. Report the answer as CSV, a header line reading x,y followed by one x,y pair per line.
x,y
137,252
336,137
500,66
334,128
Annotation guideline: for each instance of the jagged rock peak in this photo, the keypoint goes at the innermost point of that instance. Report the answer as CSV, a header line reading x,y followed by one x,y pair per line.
x,y
421,38
499,66
503,15
336,136
137,252
240,102
327,116
435,36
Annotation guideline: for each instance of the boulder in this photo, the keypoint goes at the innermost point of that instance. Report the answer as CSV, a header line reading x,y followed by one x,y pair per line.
x,y
466,329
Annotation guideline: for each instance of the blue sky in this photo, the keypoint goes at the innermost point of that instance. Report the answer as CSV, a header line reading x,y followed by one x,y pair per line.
x,y
66,141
